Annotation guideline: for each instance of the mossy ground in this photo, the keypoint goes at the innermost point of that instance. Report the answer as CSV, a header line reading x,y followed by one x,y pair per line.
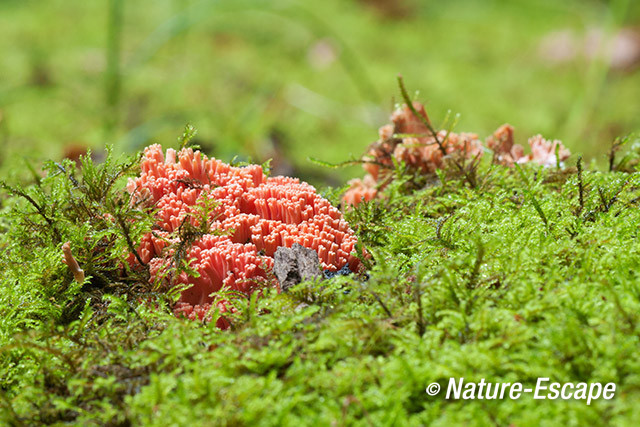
x,y
518,278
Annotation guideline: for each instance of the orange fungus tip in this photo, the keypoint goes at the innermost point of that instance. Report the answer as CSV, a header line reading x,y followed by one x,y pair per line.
x,y
78,273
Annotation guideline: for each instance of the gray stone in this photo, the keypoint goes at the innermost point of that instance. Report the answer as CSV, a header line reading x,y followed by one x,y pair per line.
x,y
296,264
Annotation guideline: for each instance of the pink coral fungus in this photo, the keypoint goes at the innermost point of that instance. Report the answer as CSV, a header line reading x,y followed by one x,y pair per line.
x,y
409,139
250,216
543,152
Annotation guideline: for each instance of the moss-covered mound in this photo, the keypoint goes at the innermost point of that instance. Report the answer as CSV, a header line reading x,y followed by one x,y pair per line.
x,y
530,273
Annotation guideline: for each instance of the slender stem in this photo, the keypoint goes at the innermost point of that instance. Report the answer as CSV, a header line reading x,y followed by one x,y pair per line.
x,y
585,106
580,185
427,123
113,75
405,95
420,321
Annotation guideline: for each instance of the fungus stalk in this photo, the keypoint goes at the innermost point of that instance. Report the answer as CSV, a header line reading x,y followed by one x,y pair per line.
x,y
78,273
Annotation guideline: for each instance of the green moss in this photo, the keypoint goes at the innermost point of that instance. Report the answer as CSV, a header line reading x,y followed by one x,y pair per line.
x,y
463,283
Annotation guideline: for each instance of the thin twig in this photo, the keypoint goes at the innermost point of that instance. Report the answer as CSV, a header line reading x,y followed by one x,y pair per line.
x,y
580,185
427,123
407,99
127,238
35,204
382,304
417,295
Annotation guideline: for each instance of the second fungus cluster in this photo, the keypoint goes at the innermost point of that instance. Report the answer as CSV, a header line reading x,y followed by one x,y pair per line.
x,y
410,139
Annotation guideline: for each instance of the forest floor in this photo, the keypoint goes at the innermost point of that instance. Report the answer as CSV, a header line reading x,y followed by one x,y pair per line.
x,y
530,273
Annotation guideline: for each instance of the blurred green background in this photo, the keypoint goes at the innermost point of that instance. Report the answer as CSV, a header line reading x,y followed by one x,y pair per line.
x,y
293,79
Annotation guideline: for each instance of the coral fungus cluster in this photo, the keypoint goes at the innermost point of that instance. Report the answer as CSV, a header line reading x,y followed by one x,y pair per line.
x,y
411,140
543,152
250,215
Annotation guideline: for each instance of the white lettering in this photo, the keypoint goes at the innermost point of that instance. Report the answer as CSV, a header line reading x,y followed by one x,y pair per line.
x,y
554,392
539,388
591,395
517,387
568,396
452,388
609,391
581,391
504,386
544,389
469,391
481,384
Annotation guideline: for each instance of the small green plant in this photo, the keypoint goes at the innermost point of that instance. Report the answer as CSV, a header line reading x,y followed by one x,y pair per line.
x,y
93,214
